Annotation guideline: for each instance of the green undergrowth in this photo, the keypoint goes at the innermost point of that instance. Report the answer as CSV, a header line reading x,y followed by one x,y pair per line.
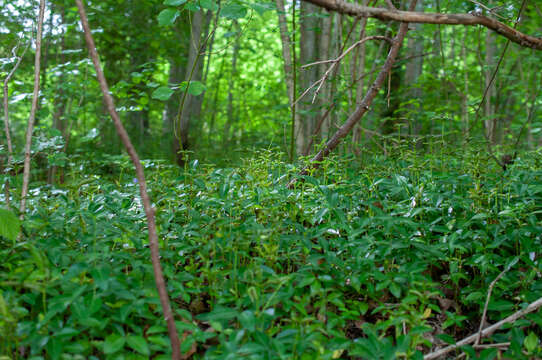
x,y
367,258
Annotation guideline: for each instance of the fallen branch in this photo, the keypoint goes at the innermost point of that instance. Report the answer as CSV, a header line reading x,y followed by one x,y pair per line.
x,y
353,9
145,199
487,331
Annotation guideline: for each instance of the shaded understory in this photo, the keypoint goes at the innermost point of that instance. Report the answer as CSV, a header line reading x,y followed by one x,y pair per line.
x,y
367,258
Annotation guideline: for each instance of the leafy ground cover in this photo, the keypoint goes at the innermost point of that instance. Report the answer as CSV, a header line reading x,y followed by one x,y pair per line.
x,y
375,258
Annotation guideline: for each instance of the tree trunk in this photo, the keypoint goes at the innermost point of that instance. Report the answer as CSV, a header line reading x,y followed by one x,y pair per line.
x,y
413,71
231,86
307,54
288,48
489,108
33,109
190,108
325,53
465,97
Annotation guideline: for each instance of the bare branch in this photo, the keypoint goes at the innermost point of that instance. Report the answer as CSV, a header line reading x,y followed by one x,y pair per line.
x,y
335,62
145,199
353,9
484,313
33,109
363,107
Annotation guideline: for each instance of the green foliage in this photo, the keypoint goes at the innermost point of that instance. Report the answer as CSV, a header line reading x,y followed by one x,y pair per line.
x,y
168,16
9,225
355,262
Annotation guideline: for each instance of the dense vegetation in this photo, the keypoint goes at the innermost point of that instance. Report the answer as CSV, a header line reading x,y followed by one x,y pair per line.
x,y
370,258
423,223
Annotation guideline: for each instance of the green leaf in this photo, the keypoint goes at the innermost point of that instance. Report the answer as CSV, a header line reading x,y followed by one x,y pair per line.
x,y
9,225
113,343
531,342
261,8
195,88
174,2
208,4
139,344
168,16
395,290
163,93
233,11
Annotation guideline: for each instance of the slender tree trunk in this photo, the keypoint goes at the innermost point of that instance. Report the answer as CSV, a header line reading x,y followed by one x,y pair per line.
x,y
414,70
231,86
188,109
308,53
35,100
59,101
465,98
288,48
489,108
325,53
145,199
360,86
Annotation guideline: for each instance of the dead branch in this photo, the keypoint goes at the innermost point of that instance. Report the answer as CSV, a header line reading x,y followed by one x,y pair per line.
x,y
335,62
353,9
484,313
363,107
487,331
34,107
149,210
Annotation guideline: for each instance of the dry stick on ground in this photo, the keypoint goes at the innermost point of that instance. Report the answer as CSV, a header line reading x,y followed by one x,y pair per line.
x,y
487,331
363,107
35,98
149,211
431,18
6,114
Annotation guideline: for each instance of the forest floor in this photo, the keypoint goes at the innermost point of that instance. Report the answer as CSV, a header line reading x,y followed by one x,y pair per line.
x,y
371,258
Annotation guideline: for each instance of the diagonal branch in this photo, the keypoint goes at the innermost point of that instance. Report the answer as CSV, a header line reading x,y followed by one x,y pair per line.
x,y
514,35
145,199
363,107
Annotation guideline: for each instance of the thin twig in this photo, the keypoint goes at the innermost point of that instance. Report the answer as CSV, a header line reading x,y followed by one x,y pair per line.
x,y
335,62
487,331
500,346
484,313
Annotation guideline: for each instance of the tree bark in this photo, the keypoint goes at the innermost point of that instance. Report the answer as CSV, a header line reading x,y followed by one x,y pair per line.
x,y
413,71
33,109
231,118
489,108
190,106
288,49
307,54
145,199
